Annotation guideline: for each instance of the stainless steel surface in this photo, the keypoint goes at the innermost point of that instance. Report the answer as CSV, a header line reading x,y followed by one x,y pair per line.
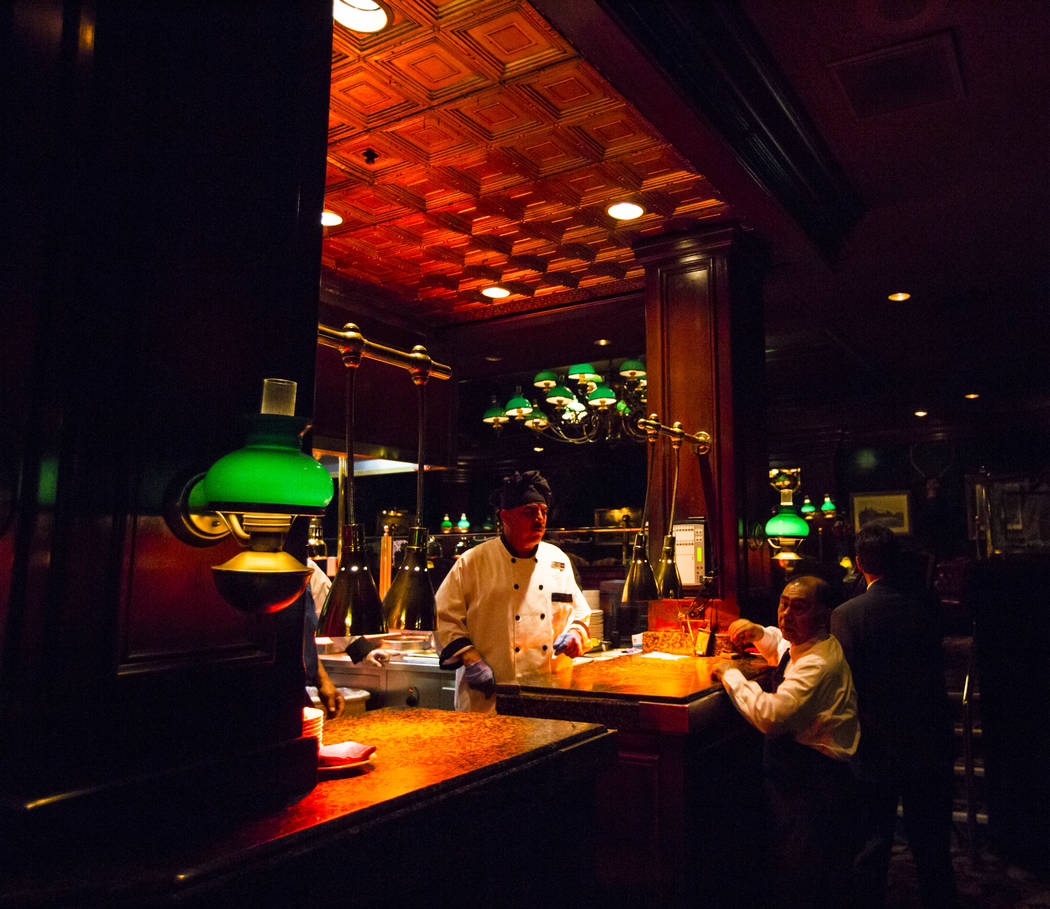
x,y
409,680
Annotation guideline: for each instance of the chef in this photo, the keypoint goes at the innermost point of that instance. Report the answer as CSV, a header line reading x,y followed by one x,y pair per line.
x,y
510,604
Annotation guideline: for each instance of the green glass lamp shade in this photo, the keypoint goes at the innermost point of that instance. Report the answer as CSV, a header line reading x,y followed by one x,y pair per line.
x,y
353,606
495,414
827,507
518,406
446,524
583,372
409,603
632,369
808,509
537,420
785,523
560,396
270,473
601,396
545,379
622,407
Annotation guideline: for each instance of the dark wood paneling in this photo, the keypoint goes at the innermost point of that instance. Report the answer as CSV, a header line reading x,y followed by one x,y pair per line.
x,y
180,269
704,349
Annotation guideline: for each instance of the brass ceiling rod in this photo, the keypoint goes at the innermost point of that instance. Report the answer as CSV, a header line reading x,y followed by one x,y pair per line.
x,y
354,346
700,439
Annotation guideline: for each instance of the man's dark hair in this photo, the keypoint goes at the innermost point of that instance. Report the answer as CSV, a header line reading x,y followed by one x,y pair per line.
x,y
877,550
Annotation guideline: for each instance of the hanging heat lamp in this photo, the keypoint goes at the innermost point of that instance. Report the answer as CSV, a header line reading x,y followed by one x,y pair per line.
x,y
668,580
409,603
352,607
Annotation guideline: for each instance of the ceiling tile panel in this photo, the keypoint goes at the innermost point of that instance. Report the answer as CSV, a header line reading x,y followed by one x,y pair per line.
x,y
434,69
516,41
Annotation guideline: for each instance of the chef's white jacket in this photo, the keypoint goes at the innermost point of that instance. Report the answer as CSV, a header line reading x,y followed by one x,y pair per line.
x,y
510,609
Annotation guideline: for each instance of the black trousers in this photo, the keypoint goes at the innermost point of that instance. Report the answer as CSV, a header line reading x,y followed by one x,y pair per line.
x,y
926,798
811,798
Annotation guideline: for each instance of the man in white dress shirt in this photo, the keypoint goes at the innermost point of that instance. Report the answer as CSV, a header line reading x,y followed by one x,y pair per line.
x,y
809,719
510,604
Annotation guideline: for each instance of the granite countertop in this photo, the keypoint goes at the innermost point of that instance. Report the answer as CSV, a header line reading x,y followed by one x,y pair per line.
x,y
629,692
421,755
648,676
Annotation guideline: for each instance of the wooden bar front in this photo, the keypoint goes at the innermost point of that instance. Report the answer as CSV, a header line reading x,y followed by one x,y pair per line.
x,y
679,813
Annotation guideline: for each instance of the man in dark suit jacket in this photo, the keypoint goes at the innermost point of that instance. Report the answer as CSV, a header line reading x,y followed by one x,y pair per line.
x,y
891,638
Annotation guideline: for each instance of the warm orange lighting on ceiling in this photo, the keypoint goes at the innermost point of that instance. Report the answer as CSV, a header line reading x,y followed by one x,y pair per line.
x,y
972,396
625,211
920,413
602,342
330,218
496,293
899,297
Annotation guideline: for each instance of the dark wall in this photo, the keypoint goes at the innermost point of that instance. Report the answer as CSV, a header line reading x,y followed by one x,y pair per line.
x,y
168,187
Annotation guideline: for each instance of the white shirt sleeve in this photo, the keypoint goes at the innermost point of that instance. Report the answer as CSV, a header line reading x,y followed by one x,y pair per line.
x,y
320,584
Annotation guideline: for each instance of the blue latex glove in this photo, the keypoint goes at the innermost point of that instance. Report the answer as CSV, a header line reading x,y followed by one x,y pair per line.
x,y
479,677
568,643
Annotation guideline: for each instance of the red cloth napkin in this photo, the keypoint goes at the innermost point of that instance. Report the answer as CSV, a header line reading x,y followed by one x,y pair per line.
x,y
343,753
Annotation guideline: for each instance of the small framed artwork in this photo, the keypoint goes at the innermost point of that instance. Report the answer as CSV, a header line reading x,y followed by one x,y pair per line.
x,y
889,508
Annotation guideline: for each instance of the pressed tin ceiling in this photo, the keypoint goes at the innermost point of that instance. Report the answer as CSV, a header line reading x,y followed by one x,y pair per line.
x,y
470,144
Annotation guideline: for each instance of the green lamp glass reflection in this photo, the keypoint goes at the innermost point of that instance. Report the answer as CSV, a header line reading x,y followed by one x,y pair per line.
x,y
583,372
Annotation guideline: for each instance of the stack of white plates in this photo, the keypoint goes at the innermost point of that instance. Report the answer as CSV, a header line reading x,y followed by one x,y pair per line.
x,y
596,625
313,721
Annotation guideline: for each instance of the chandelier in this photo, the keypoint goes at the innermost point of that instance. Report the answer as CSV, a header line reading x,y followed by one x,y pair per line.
x,y
579,406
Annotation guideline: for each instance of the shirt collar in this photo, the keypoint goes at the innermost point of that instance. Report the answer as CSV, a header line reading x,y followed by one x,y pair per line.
x,y
518,555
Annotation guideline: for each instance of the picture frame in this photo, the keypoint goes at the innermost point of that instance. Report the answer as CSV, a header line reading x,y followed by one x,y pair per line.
x,y
892,509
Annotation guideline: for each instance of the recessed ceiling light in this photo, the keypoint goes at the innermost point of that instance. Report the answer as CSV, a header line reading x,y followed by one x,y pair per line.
x,y
490,358
920,413
899,297
972,396
496,293
537,448
602,342
330,218
360,15
625,211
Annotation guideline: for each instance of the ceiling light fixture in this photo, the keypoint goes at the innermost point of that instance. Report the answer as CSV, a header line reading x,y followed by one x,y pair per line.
x,y
495,292
972,396
921,413
602,342
361,15
625,211
899,297
330,218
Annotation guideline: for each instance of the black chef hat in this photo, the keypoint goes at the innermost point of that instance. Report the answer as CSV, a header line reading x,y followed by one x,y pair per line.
x,y
521,489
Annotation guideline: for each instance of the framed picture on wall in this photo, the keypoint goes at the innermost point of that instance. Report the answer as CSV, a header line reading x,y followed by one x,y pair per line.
x,y
889,508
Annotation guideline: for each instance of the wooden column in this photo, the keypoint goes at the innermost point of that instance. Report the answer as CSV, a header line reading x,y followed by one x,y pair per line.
x,y
705,353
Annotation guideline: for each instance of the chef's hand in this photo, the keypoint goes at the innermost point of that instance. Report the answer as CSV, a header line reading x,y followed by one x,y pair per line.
x,y
569,643
744,631
479,677
378,658
331,697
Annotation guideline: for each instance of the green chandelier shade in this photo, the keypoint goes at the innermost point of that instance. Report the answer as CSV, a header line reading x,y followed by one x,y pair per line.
x,y
828,507
601,396
583,372
536,420
518,406
785,523
495,414
270,473
560,396
808,509
545,379
632,369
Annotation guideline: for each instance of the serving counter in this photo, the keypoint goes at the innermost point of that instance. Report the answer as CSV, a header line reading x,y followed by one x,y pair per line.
x,y
425,820
680,812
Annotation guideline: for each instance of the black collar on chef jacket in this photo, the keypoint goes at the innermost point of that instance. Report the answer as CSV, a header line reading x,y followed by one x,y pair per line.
x,y
531,554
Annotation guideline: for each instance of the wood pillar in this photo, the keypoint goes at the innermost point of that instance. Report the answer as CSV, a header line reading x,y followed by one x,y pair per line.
x,y
705,352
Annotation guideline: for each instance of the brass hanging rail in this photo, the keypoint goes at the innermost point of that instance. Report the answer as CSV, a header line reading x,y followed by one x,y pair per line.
x,y
354,347
700,439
